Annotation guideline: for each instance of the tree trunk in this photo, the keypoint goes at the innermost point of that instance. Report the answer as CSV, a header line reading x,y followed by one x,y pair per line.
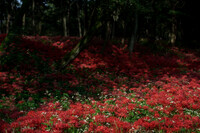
x,y
65,25
108,31
79,20
153,23
85,17
1,26
40,27
68,16
107,36
33,16
80,46
124,32
134,33
173,29
93,28
8,23
113,30
147,29
24,21
173,34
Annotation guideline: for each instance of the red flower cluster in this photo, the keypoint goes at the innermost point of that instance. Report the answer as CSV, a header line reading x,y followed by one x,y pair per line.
x,y
143,93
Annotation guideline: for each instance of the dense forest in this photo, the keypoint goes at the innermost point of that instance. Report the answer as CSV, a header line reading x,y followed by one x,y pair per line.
x,y
169,20
99,66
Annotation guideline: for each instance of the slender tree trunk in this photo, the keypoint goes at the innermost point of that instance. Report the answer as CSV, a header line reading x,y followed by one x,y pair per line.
x,y
113,30
64,17
24,21
134,33
108,31
68,16
124,31
1,27
85,17
8,23
147,29
65,25
79,20
40,27
66,5
153,24
173,31
107,36
33,16
173,34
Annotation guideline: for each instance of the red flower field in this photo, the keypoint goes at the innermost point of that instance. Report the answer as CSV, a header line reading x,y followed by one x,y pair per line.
x,y
100,92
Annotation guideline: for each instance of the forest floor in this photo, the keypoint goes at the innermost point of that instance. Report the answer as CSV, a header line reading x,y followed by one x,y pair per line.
x,y
157,89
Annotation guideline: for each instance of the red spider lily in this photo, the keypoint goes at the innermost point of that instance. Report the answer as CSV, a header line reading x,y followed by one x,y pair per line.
x,y
153,88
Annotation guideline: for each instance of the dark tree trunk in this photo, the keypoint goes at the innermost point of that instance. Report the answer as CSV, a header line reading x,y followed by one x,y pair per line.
x,y
33,16
79,20
124,32
134,33
1,30
65,25
39,27
173,31
24,21
80,46
8,23
85,17
113,30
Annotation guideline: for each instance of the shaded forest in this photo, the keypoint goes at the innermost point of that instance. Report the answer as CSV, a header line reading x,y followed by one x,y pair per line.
x,y
99,66
173,21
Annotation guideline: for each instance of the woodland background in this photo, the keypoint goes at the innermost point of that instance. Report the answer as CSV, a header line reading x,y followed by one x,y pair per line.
x,y
172,21
103,66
